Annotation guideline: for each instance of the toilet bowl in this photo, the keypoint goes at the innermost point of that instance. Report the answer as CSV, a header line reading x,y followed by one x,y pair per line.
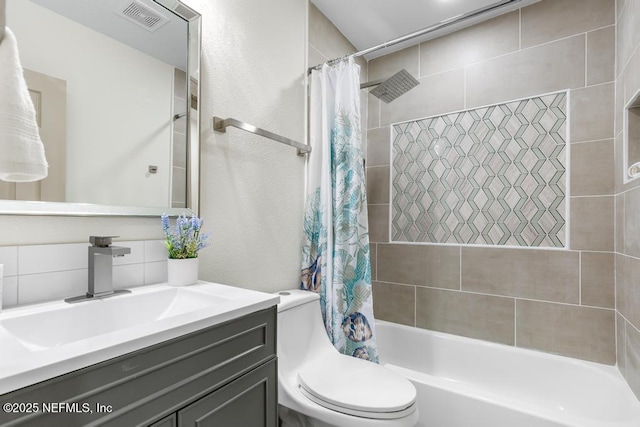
x,y
328,388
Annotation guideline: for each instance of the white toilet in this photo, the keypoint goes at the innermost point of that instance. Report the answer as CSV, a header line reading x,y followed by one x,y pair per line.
x,y
326,387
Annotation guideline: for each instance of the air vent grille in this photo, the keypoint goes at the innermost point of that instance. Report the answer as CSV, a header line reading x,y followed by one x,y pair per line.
x,y
144,16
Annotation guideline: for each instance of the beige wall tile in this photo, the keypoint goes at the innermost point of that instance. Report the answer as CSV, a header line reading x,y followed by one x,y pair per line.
x,y
379,146
621,344
542,69
582,332
617,150
325,37
423,265
374,265
592,168
592,112
629,80
443,267
598,279
620,5
627,86
632,223
436,94
554,19
619,106
592,223
402,264
491,38
632,362
628,33
525,273
378,184
471,315
601,49
394,303
373,111
628,288
387,65
620,223
378,223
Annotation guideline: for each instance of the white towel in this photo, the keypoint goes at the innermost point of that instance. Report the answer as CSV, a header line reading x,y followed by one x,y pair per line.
x,y
21,150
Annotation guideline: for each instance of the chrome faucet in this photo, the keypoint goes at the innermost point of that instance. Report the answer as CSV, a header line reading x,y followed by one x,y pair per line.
x,y
101,255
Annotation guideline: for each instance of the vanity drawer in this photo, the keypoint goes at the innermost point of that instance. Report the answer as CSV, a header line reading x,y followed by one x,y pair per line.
x,y
142,387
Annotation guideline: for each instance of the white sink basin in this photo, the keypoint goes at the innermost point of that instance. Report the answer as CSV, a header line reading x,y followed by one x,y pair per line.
x,y
64,324
42,341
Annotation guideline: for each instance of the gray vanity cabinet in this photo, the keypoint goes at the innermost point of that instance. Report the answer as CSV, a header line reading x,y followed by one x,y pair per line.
x,y
224,375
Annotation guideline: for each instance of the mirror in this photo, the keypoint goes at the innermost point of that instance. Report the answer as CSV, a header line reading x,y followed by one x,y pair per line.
x,y
115,84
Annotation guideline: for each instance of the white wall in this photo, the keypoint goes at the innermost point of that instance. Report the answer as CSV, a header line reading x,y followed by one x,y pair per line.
x,y
119,107
252,188
253,69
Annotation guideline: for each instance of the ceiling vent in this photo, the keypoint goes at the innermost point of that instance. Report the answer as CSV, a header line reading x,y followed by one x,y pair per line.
x,y
142,15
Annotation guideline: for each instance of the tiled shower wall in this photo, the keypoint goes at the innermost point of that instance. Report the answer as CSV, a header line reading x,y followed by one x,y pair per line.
x,y
627,201
555,300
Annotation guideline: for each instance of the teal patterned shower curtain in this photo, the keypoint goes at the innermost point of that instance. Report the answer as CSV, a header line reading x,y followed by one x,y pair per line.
x,y
336,262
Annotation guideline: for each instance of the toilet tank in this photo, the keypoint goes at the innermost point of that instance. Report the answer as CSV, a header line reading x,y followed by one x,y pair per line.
x,y
301,333
294,298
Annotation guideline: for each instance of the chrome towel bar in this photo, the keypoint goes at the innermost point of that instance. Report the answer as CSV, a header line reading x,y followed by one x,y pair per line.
x,y
221,125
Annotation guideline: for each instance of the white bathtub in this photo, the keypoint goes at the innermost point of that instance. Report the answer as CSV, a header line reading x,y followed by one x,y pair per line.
x,y
463,382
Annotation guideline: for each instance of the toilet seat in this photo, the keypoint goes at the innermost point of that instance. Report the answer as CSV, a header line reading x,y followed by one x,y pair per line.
x,y
357,387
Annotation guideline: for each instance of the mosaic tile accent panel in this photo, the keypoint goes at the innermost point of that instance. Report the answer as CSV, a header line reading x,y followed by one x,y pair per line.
x,y
492,176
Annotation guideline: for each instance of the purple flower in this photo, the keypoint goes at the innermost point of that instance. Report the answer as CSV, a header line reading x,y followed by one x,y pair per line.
x,y
186,239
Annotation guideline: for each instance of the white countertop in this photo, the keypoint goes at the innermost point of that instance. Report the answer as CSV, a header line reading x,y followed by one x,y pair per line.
x,y
23,363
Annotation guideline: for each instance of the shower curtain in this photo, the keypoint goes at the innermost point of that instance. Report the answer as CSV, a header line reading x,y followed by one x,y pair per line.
x,y
336,262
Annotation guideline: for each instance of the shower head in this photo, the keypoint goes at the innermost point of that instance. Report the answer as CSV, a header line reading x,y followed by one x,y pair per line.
x,y
392,87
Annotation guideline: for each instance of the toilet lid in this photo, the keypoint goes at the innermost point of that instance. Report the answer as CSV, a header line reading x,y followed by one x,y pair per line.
x,y
357,387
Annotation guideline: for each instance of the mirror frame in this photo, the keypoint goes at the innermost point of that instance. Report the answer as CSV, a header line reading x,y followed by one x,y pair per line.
x,y
194,40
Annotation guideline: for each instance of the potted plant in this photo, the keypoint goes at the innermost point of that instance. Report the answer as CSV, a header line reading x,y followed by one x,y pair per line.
x,y
183,243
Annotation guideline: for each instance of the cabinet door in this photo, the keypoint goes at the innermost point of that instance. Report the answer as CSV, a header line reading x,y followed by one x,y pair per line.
x,y
249,401
170,421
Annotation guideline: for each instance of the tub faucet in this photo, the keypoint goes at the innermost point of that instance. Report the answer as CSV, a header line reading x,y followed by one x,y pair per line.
x,y
101,255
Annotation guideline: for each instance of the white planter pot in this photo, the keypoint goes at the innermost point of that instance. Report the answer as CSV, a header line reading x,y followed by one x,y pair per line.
x,y
181,272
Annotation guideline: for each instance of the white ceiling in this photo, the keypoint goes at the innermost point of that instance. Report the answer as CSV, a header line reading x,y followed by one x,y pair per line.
x,y
368,23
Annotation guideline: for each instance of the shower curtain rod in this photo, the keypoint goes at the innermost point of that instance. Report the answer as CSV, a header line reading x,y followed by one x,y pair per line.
x,y
446,23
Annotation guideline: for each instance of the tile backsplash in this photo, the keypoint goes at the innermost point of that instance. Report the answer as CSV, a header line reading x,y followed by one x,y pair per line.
x,y
37,273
